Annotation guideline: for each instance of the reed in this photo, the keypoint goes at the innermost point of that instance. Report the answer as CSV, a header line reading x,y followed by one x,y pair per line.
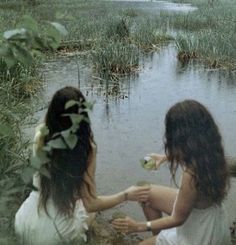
x,y
207,33
148,35
115,58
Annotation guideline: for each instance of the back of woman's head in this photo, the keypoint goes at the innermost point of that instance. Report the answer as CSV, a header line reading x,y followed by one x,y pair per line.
x,y
66,166
192,140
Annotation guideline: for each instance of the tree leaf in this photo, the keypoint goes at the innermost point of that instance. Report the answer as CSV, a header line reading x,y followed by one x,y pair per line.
x,y
53,37
29,23
23,55
39,43
57,143
74,117
89,105
66,133
14,33
71,103
60,28
52,43
71,141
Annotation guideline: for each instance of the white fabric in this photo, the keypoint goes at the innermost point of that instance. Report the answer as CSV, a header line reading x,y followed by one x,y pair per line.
x,y
203,227
35,227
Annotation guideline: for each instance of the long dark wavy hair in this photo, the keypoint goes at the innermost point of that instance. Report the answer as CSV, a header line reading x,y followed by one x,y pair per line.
x,y
66,167
193,141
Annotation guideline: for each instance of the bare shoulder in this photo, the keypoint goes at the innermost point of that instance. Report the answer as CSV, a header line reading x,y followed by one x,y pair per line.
x,y
188,182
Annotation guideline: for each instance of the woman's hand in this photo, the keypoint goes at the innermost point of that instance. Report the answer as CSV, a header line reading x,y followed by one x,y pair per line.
x,y
158,158
126,225
137,193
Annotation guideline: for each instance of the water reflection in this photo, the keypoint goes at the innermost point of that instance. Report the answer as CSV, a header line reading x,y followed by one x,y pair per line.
x,y
152,5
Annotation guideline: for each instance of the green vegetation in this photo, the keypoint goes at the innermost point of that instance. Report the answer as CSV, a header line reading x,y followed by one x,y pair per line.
x,y
19,79
148,35
207,33
91,24
116,57
113,39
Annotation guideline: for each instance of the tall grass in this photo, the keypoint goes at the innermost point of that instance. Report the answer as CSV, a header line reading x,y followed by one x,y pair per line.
x,y
12,158
117,28
148,35
16,84
19,79
115,57
209,33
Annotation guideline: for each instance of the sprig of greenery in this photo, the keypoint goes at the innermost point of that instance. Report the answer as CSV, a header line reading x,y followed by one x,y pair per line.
x,y
66,139
19,45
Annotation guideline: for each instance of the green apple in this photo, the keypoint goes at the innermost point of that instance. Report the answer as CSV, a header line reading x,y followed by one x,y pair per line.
x,y
148,163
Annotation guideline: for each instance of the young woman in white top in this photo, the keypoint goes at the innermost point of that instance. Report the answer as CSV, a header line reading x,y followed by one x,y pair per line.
x,y
194,212
59,211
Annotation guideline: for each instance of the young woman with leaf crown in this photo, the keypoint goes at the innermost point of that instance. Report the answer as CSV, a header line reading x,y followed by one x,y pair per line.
x,y
64,155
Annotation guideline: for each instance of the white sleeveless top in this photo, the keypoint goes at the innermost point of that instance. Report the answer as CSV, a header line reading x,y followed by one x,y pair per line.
x,y
34,226
208,226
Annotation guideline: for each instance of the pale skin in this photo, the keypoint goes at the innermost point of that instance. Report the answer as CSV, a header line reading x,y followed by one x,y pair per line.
x,y
94,203
177,204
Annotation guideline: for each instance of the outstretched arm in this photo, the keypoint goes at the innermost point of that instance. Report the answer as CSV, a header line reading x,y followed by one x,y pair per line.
x,y
183,206
94,203
99,203
159,158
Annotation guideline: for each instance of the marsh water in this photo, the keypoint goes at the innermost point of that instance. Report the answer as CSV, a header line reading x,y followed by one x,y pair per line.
x,y
129,123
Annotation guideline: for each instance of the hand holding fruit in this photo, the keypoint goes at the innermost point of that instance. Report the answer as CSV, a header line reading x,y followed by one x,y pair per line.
x,y
153,161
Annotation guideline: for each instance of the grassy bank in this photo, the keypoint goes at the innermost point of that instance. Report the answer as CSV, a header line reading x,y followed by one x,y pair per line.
x,y
15,86
209,33
92,24
19,81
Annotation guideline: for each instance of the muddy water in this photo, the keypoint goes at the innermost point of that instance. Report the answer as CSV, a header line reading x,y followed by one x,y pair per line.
x,y
129,126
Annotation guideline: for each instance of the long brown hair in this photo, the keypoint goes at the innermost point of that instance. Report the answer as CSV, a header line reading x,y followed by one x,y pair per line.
x,y
67,166
192,140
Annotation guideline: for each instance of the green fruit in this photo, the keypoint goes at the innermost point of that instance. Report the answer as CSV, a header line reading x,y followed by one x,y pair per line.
x,y
148,163
142,183
118,215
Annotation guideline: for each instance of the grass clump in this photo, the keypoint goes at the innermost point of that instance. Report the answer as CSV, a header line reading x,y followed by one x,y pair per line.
x,y
117,29
115,58
209,33
214,47
132,13
187,47
148,36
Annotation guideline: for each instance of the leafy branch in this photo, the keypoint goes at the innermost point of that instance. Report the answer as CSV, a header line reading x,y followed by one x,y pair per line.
x,y
19,46
66,139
